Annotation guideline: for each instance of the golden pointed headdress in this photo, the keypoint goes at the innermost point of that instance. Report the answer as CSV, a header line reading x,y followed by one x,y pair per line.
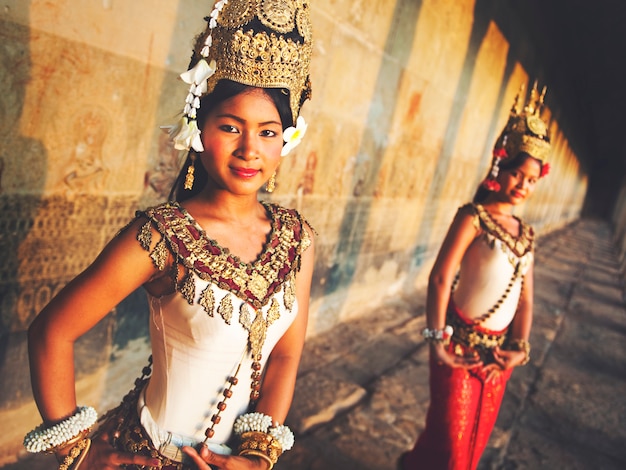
x,y
260,43
525,131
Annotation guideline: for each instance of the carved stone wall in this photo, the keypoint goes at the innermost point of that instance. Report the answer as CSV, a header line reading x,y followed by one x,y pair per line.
x,y
408,99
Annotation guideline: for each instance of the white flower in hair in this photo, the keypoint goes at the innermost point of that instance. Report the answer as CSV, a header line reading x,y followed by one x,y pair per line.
x,y
220,5
293,136
198,75
186,134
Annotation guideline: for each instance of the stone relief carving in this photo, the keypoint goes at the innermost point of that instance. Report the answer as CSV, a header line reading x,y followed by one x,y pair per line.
x,y
160,178
89,130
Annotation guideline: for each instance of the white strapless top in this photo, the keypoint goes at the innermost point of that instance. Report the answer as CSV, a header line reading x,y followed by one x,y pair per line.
x,y
223,311
193,357
488,267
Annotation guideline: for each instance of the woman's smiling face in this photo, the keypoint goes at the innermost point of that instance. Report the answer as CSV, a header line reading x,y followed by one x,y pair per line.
x,y
517,184
242,138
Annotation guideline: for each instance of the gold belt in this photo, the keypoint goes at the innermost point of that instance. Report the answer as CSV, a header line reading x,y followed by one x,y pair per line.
x,y
468,335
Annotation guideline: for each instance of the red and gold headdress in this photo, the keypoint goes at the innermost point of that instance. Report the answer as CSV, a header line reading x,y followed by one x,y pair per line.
x,y
260,43
525,131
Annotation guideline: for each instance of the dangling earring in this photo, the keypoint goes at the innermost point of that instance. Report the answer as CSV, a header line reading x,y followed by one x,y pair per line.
x,y
189,177
270,186
491,183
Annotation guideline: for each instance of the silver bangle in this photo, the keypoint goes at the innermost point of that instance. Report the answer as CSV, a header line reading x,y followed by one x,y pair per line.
x,y
436,335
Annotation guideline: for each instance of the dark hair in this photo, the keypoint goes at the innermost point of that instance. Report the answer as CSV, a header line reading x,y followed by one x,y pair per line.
x,y
482,193
224,90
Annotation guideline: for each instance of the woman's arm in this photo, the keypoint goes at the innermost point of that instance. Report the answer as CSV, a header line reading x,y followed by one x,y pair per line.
x,y
121,268
519,330
461,234
523,319
282,365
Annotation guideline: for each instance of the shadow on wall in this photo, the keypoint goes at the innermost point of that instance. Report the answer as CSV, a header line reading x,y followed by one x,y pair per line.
x,y
47,236
369,158
484,11
356,215
23,163
130,347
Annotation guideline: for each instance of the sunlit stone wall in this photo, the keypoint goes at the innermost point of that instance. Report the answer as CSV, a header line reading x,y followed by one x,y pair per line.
x,y
408,98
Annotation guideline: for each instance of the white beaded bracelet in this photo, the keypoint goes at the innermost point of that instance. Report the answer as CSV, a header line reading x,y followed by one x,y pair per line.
x,y
283,436
258,422
261,422
435,335
43,439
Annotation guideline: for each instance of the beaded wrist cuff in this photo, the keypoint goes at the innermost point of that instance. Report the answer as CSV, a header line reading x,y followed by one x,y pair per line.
x,y
435,335
520,345
259,454
261,439
79,449
260,444
45,439
263,423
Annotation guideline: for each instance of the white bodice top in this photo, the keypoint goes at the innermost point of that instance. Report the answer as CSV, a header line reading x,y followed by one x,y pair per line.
x,y
201,333
194,354
494,262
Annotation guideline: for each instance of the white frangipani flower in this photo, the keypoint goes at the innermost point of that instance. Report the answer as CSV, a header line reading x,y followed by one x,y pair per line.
x,y
198,75
293,136
186,135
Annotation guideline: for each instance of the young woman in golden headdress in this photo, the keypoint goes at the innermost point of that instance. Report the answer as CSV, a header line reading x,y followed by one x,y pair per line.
x,y
227,276
479,301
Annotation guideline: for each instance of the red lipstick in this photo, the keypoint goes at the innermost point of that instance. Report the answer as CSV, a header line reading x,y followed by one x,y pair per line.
x,y
245,172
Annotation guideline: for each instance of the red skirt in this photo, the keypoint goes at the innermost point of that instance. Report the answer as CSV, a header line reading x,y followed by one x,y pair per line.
x,y
462,412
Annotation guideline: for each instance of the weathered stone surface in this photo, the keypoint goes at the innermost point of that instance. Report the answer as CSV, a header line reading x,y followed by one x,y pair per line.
x,y
320,398
563,410
408,97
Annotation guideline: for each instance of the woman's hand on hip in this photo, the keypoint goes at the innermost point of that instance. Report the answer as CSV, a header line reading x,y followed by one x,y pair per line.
x,y
205,457
103,456
445,357
508,359
492,372
504,359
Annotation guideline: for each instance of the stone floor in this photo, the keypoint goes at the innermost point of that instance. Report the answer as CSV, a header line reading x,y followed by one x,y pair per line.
x,y
362,392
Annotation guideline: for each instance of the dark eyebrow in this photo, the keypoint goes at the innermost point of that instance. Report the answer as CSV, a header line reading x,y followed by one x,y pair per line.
x,y
527,175
243,121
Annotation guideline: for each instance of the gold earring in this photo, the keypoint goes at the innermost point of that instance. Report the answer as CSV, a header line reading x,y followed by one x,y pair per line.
x,y
270,186
189,177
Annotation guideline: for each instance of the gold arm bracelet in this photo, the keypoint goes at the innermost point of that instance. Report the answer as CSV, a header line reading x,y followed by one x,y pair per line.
x,y
68,445
260,454
520,344
79,449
